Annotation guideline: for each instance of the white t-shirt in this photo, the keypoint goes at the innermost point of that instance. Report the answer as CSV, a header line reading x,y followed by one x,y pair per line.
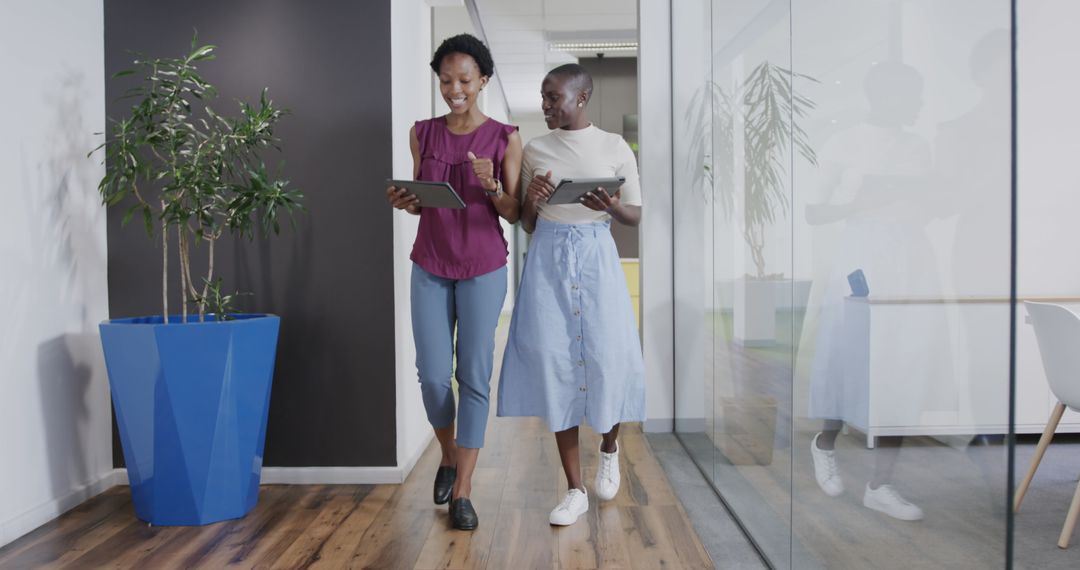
x,y
584,153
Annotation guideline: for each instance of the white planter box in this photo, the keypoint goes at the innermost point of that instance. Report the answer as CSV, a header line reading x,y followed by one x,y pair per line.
x,y
755,312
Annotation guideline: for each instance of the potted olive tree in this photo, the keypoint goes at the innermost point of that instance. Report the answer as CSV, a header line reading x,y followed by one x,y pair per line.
x,y
191,392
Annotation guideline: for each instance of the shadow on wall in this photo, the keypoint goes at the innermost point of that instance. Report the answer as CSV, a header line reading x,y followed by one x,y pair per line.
x,y
66,368
65,236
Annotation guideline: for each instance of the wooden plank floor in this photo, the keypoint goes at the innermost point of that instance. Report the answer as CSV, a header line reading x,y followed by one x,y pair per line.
x,y
517,482
396,526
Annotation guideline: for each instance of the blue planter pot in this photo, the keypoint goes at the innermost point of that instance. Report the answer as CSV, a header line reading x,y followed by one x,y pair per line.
x,y
191,401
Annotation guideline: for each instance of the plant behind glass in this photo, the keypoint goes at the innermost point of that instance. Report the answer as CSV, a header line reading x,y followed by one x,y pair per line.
x,y
192,170
770,113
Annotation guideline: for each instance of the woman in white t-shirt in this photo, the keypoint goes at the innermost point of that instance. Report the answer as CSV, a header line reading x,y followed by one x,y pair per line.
x,y
573,353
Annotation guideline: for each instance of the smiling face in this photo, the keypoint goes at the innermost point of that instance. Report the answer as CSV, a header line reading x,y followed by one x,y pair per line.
x,y
460,82
560,98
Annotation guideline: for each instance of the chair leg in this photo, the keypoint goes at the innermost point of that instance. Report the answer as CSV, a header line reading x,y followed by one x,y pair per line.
x,y
1070,520
1044,442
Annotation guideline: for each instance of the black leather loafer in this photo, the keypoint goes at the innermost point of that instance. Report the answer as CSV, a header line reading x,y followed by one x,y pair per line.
x,y
462,515
444,484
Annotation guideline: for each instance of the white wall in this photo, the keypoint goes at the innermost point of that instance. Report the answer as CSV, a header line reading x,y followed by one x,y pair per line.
x,y
654,101
410,52
56,444
1047,189
448,21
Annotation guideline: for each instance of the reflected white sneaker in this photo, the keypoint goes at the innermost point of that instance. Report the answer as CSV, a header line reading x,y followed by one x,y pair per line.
x,y
885,499
607,474
573,505
826,471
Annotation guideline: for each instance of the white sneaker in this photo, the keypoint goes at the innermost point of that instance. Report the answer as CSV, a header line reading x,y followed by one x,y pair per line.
x,y
573,505
887,500
826,471
607,475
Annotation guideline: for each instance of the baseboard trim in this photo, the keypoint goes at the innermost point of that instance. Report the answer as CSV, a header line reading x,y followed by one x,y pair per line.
x,y
22,524
658,425
690,425
120,476
332,475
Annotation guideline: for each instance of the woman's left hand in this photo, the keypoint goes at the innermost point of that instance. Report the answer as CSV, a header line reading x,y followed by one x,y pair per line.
x,y
600,200
484,169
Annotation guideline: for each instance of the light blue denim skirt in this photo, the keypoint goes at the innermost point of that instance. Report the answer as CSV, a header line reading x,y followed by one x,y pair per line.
x,y
573,354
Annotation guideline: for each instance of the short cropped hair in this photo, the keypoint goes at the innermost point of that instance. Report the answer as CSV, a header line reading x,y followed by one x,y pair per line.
x,y
577,75
468,45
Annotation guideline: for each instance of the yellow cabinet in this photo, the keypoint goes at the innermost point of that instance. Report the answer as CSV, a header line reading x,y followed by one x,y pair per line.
x,y
632,269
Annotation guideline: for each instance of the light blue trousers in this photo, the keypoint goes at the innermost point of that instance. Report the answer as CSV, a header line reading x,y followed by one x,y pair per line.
x,y
473,305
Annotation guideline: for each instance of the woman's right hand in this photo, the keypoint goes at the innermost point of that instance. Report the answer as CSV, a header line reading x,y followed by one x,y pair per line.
x,y
539,190
401,199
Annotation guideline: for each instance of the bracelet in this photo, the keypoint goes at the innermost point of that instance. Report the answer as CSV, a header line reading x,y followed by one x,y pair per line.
x,y
496,192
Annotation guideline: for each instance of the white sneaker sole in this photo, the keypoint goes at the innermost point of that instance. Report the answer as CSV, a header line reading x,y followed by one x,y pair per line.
x,y
885,510
830,490
605,496
560,523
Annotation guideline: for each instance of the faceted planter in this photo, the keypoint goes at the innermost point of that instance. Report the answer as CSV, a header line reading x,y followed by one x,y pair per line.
x,y
191,402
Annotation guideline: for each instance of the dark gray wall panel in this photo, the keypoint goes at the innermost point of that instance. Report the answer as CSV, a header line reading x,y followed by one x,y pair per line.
x,y
614,96
331,279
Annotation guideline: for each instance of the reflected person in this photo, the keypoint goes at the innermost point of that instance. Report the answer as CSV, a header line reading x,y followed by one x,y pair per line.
x,y
877,192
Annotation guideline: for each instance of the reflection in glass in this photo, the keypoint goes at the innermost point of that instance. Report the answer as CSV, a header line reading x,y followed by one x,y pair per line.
x,y
922,465
876,184
842,274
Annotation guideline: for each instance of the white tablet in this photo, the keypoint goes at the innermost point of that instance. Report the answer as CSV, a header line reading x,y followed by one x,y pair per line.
x,y
431,194
571,191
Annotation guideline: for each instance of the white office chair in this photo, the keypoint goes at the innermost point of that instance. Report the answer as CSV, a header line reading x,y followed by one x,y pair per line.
x,y
1057,331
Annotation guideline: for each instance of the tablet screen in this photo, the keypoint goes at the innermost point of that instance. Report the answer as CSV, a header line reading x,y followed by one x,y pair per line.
x,y
431,194
570,191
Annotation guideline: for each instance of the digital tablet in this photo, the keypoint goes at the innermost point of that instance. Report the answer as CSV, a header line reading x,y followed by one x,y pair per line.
x,y
431,194
570,191
857,282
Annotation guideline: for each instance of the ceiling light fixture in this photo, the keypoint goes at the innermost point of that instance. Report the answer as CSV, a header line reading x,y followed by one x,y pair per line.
x,y
593,46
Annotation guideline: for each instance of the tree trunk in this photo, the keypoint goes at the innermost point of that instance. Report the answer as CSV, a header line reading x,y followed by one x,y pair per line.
x,y
164,268
755,238
209,279
184,276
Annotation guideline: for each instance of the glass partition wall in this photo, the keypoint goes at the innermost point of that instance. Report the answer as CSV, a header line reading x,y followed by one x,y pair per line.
x,y
842,257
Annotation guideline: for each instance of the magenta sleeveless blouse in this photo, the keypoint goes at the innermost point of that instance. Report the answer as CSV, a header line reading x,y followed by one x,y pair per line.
x,y
466,243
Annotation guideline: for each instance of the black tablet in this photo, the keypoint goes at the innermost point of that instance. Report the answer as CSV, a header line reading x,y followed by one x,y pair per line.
x,y
571,191
431,194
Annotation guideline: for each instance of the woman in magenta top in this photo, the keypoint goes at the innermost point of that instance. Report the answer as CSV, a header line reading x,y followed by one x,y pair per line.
x,y
459,271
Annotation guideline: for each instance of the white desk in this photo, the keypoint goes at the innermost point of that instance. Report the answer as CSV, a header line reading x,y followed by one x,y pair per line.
x,y
977,372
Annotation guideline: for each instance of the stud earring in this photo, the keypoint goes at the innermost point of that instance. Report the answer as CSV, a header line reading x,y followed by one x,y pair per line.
x,y
579,105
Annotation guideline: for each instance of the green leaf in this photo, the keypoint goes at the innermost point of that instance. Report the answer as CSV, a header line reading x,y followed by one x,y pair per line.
x,y
128,214
202,53
148,221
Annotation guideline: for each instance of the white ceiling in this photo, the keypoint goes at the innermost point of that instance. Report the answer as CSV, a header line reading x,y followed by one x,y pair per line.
x,y
518,32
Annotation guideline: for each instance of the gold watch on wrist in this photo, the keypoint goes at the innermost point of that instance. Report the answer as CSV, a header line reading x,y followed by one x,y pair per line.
x,y
497,192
